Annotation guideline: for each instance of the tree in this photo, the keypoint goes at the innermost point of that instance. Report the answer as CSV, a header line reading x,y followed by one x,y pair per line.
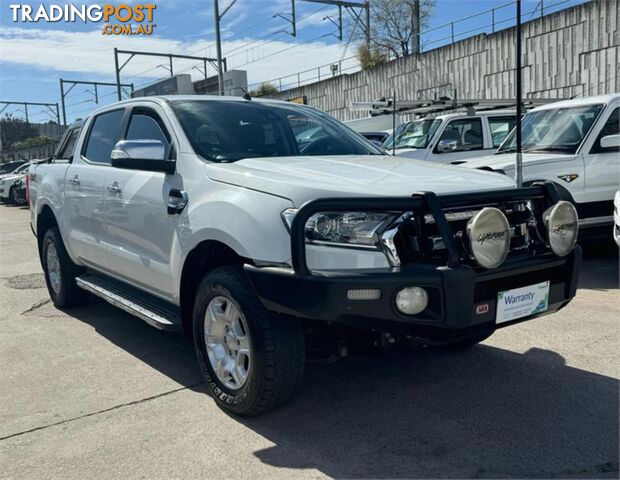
x,y
395,25
263,89
369,57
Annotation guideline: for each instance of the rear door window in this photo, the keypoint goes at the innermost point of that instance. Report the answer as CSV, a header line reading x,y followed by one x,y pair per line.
x,y
102,136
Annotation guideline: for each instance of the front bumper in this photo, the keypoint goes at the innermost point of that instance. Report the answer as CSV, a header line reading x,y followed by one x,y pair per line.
x,y
460,298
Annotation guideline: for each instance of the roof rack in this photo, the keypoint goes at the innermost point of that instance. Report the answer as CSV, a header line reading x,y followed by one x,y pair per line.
x,y
442,104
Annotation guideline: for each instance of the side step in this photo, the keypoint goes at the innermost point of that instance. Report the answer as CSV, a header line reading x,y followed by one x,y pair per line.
x,y
153,310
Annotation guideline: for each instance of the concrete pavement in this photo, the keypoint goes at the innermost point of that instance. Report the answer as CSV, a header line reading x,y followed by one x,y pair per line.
x,y
95,393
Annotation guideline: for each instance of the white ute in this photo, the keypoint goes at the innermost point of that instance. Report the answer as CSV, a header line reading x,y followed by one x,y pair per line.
x,y
574,144
453,136
219,217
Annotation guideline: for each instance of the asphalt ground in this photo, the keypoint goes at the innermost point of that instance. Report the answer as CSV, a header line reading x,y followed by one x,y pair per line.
x,y
92,392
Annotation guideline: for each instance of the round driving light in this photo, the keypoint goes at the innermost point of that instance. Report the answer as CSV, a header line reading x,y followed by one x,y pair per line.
x,y
562,225
411,300
488,233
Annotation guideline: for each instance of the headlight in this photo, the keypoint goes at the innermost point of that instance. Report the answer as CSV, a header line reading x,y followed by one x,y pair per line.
x,y
562,226
345,228
488,233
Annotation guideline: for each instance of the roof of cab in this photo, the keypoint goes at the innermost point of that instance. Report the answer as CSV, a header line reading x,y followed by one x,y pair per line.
x,y
163,99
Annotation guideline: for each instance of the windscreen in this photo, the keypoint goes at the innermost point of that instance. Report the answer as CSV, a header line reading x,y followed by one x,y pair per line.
x,y
228,130
413,134
558,130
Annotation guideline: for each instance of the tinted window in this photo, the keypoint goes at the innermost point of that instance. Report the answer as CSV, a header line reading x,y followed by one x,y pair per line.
x,y
227,131
103,135
500,128
612,127
466,132
67,151
146,125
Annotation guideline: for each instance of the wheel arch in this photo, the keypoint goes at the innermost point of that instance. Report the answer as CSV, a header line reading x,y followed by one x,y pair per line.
x,y
45,220
204,257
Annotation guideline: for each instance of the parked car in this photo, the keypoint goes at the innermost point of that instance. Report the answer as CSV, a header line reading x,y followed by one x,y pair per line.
x,y
9,167
204,214
575,144
9,183
453,136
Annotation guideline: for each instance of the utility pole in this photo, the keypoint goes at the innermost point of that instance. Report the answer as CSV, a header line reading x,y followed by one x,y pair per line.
x,y
415,27
218,41
350,7
169,56
73,83
50,106
367,26
519,159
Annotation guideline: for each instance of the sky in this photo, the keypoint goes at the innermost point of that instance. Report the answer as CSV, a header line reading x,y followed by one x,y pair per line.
x,y
34,56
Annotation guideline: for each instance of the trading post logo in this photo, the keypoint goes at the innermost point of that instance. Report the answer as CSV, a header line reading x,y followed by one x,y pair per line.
x,y
121,19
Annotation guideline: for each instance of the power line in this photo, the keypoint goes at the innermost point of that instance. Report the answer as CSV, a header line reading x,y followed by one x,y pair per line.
x,y
298,44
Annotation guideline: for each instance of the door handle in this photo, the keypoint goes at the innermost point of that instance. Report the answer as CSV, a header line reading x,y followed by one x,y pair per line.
x,y
114,189
75,181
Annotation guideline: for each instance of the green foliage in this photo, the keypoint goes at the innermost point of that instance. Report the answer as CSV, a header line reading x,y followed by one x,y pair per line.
x,y
33,142
263,89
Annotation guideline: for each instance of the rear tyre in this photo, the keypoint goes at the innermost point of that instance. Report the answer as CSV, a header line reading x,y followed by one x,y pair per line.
x,y
252,361
60,272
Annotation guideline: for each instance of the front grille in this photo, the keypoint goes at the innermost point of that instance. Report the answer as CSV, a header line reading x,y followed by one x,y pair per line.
x,y
420,239
488,289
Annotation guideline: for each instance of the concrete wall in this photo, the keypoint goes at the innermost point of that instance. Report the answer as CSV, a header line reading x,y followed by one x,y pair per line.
x,y
570,52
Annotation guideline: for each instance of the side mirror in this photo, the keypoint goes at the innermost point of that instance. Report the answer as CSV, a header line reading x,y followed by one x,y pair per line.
x,y
149,155
610,141
445,146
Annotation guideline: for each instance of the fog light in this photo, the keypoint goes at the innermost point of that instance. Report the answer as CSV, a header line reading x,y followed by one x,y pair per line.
x,y
488,233
411,300
364,294
562,227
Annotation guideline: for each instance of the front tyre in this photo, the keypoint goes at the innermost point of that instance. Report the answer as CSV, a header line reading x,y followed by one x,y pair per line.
x,y
252,360
60,272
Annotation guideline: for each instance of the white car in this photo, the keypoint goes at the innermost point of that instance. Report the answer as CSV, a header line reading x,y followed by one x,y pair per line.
x,y
217,216
8,182
576,145
453,136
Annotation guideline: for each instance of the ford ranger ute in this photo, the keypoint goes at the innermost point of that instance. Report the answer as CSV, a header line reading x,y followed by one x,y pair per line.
x,y
219,217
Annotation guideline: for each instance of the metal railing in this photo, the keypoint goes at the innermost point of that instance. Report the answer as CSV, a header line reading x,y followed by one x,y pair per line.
x,y
499,18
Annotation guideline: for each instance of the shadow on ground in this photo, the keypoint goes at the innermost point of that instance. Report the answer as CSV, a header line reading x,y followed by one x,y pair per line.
x,y
487,412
